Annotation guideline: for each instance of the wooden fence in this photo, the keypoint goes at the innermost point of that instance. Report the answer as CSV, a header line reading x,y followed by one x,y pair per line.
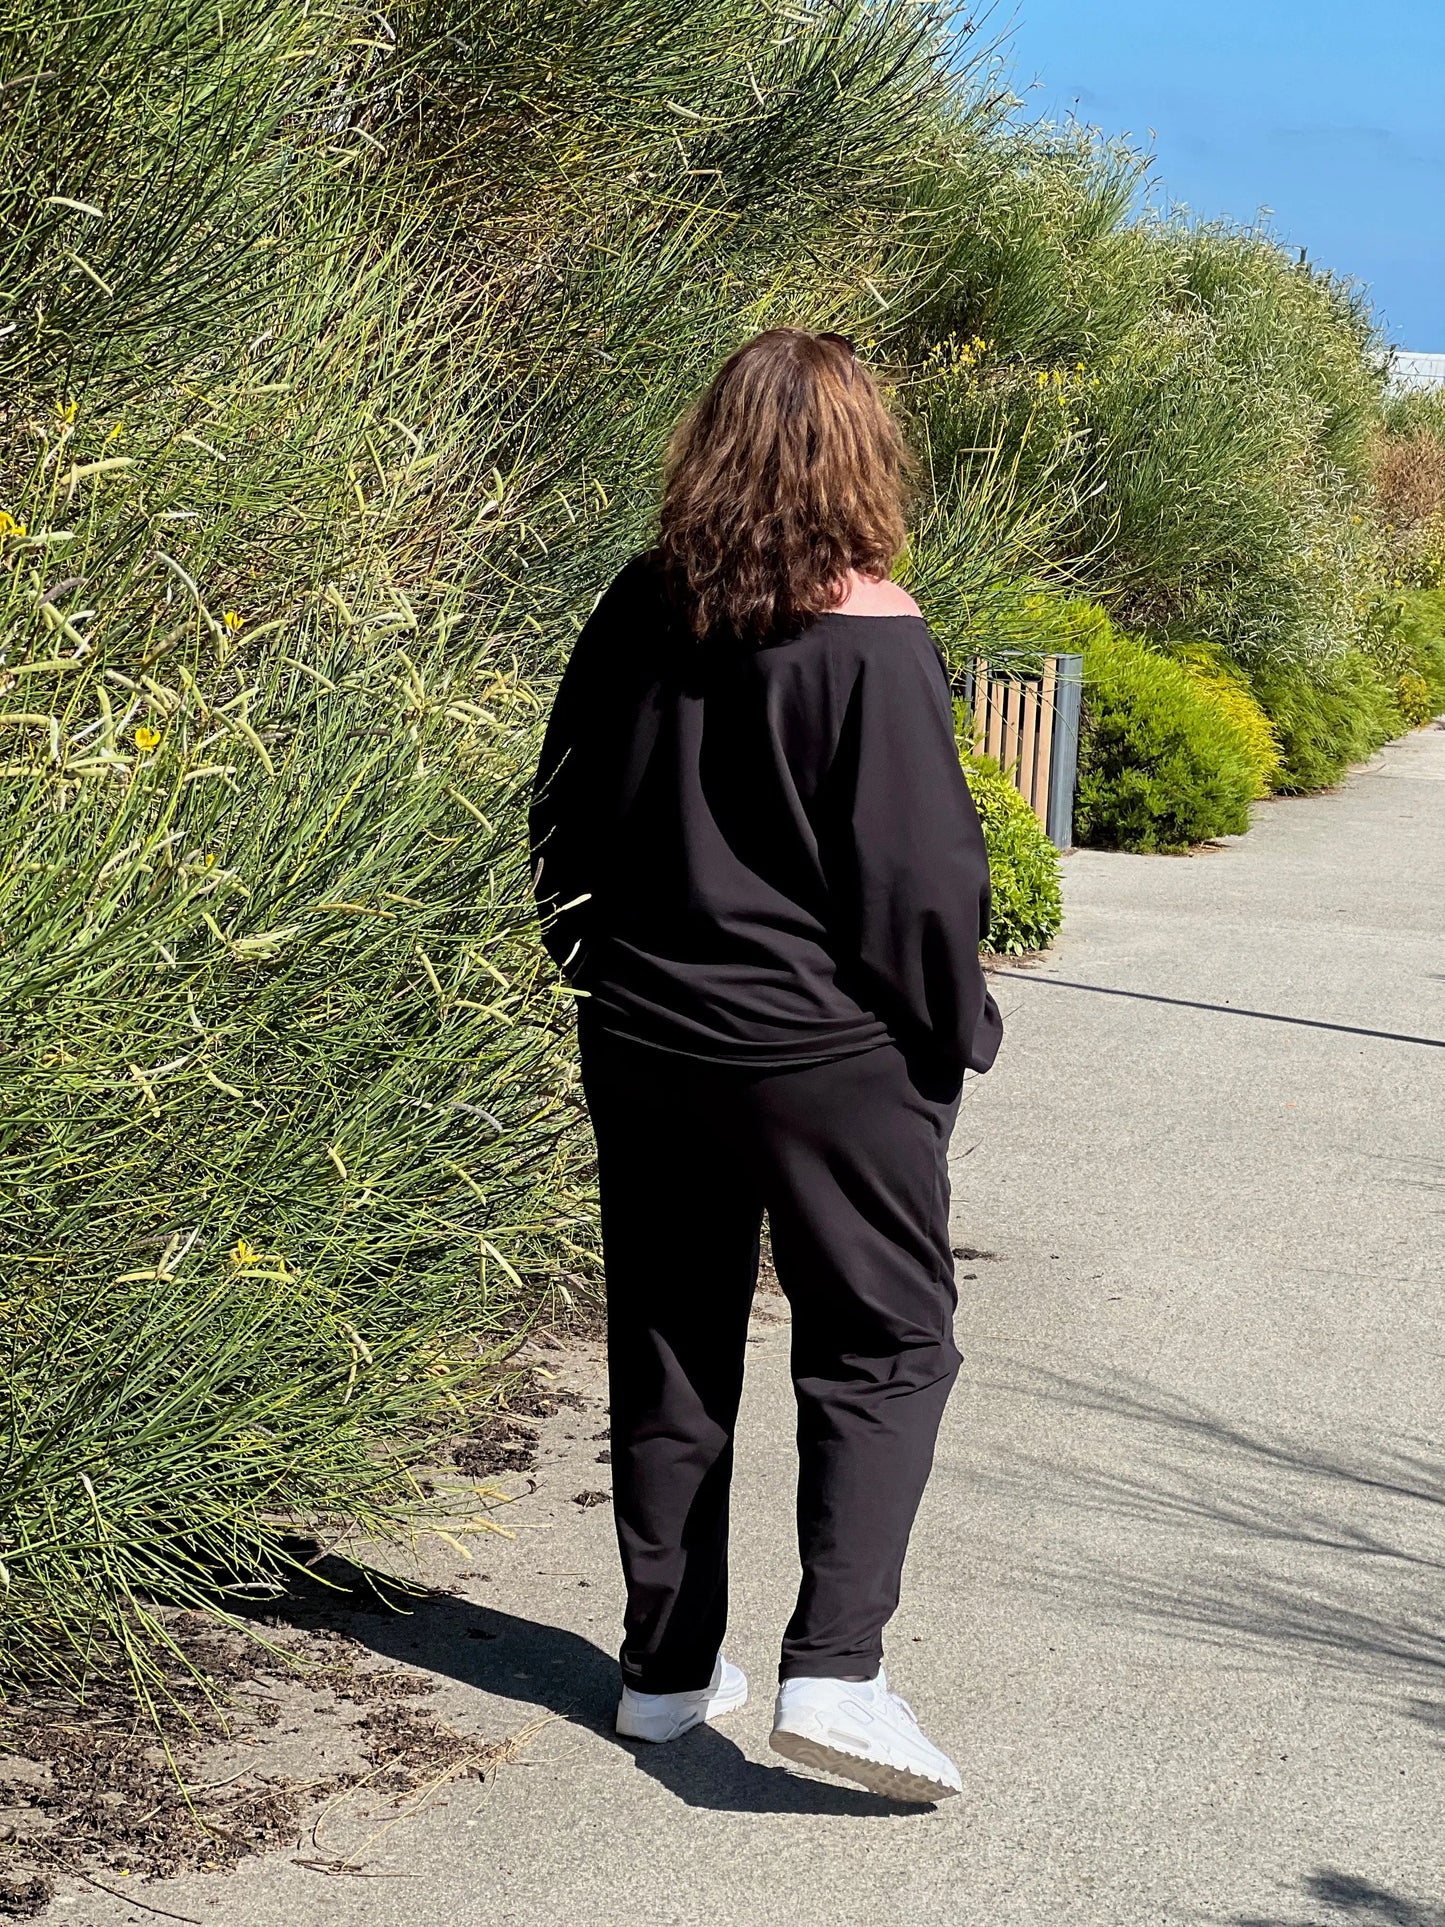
x,y
1029,724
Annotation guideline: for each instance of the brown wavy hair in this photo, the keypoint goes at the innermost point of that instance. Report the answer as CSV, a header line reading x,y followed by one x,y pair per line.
x,y
788,473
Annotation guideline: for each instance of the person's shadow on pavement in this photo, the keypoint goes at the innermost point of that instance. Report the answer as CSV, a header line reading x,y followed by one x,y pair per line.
x,y
546,1666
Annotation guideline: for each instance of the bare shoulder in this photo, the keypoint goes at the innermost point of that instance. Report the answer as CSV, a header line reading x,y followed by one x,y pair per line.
x,y
867,596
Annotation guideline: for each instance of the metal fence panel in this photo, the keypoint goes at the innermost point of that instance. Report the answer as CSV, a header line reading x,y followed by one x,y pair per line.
x,y
1029,725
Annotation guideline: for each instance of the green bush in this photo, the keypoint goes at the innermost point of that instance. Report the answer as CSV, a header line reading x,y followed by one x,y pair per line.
x,y
1229,688
1023,865
1404,643
1421,630
1326,717
1162,764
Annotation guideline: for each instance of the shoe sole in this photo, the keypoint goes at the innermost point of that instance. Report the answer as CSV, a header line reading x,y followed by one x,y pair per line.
x,y
715,1712
893,1782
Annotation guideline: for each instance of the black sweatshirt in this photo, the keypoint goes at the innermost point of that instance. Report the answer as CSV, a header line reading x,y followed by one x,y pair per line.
x,y
764,856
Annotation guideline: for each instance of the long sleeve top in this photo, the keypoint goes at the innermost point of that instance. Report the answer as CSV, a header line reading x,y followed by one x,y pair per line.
x,y
765,856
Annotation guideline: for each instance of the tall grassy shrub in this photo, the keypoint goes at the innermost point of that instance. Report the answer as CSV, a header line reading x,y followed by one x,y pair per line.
x,y
1408,487
1326,717
1187,411
336,366
269,987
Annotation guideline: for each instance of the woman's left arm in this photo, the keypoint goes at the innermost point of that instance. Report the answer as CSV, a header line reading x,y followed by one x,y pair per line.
x,y
916,871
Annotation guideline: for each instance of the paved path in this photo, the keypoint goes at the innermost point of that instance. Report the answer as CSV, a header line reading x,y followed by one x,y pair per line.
x,y
1177,1598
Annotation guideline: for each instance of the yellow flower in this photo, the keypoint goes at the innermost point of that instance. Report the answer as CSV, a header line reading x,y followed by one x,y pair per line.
x,y
233,620
116,432
9,526
209,858
147,738
65,410
244,1254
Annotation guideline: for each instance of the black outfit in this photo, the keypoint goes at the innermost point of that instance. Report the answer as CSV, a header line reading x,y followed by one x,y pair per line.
x,y
764,869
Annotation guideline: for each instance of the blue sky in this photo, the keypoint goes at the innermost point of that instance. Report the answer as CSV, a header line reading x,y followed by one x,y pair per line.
x,y
1330,113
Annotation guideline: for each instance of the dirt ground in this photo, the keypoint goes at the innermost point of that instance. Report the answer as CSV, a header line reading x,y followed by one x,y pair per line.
x,y
306,1742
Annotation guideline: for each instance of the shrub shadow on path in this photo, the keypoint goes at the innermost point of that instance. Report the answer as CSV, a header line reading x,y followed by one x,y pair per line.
x,y
1335,1897
1240,1535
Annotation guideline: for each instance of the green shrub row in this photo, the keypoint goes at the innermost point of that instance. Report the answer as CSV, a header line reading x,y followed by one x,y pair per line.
x,y
1338,712
1176,742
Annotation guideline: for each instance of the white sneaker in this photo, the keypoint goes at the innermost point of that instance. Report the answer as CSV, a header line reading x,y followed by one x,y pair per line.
x,y
858,1729
664,1716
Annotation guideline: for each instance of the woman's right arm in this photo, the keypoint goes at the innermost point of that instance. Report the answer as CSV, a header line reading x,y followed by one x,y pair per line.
x,y
562,820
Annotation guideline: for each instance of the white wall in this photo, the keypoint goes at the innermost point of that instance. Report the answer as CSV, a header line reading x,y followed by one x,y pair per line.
x,y
1418,371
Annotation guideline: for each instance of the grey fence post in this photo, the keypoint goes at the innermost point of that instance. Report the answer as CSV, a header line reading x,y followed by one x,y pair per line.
x,y
1064,761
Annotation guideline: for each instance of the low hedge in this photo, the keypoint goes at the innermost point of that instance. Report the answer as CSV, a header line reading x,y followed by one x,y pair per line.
x,y
1177,742
1167,758
1326,718
1028,905
1338,712
1420,630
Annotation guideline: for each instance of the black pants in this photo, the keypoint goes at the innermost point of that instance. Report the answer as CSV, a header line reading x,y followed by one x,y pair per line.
x,y
849,1159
